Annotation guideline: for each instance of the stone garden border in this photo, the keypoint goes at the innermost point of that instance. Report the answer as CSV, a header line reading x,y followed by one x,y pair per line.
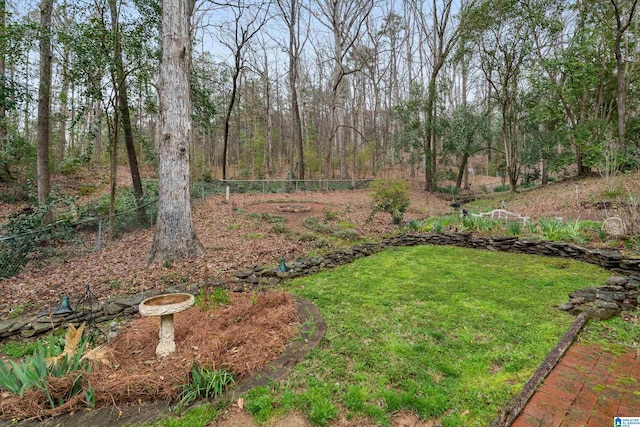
x,y
616,295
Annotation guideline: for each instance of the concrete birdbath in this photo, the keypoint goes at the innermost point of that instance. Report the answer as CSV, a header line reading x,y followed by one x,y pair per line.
x,y
166,306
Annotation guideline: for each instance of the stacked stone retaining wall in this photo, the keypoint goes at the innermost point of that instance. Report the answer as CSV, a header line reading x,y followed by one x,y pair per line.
x,y
600,306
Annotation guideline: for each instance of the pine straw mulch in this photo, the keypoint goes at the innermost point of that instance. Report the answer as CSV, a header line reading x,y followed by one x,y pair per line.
x,y
241,338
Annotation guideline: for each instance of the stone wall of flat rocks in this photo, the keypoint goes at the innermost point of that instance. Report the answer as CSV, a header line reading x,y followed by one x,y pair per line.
x,y
601,305
602,302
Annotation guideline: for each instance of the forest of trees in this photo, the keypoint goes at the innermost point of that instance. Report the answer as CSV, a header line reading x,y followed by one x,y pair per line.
x,y
328,89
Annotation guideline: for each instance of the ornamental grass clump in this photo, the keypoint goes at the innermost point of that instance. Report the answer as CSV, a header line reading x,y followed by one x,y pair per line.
x,y
54,373
205,384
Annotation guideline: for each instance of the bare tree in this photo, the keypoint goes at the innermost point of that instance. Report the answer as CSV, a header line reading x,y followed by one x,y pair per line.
x,y
441,37
290,13
243,29
262,68
345,19
175,236
120,86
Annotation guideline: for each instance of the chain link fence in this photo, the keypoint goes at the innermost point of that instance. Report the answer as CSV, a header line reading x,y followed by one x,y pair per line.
x,y
202,190
64,239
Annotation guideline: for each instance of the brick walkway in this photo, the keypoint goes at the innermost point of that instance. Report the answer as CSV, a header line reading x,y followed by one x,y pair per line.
x,y
588,387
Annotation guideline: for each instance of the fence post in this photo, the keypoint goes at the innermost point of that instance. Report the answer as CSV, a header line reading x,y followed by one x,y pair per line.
x,y
99,246
227,193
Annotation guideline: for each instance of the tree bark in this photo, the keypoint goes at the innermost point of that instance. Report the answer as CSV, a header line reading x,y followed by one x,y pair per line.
x,y
5,174
294,58
175,237
227,116
123,104
461,170
44,102
290,13
621,89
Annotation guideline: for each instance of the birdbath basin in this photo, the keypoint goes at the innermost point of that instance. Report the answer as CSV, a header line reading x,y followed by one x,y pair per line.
x,y
166,306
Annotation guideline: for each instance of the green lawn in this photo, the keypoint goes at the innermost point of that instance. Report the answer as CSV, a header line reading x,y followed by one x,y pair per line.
x,y
445,332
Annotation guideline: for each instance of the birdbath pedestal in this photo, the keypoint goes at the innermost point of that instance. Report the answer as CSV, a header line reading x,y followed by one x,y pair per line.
x,y
166,306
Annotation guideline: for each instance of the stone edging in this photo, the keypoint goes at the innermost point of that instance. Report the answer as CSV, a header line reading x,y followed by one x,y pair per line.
x,y
261,277
312,329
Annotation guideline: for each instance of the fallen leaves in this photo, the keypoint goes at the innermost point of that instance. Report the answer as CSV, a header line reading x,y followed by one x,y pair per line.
x,y
235,240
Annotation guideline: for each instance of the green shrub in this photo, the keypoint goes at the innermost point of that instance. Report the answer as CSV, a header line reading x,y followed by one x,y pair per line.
x,y
501,188
329,215
85,190
347,225
473,223
279,228
313,224
19,191
551,229
70,166
573,231
28,237
205,383
413,225
449,189
215,298
391,196
125,200
347,234
55,357
514,228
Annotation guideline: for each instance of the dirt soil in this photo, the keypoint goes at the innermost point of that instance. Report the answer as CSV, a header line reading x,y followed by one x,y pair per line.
x,y
237,417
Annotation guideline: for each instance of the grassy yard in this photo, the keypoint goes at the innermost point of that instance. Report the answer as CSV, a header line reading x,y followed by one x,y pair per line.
x,y
444,332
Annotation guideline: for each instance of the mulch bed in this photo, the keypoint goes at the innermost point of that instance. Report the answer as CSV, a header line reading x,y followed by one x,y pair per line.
x,y
241,338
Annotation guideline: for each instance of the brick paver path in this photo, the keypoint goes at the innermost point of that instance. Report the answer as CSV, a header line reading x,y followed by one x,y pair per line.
x,y
588,387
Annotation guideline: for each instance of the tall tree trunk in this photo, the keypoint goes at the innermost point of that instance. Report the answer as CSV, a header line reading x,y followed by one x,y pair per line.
x,y
461,170
337,114
5,174
44,102
113,128
294,58
621,90
64,93
175,237
97,141
227,119
64,113
429,144
123,104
